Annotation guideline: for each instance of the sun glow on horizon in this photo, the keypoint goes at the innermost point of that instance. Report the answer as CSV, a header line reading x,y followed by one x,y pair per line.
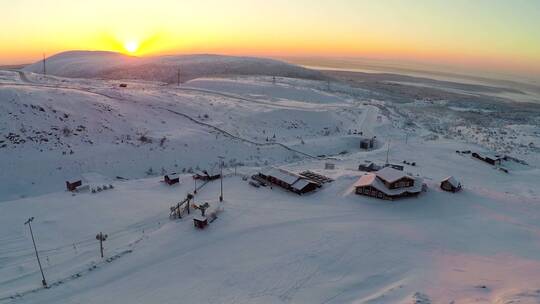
x,y
131,46
487,35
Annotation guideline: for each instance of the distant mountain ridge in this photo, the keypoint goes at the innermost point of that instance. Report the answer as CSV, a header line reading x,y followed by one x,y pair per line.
x,y
111,65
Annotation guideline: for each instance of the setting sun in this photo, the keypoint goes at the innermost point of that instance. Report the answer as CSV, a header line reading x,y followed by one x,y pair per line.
x,y
131,46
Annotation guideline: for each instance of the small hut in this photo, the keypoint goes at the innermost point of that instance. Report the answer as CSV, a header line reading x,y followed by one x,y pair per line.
x,y
367,143
450,184
73,186
369,167
171,179
205,176
200,222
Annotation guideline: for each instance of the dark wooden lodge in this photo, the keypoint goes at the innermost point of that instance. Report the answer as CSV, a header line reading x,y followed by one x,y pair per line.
x,y
494,160
290,181
388,184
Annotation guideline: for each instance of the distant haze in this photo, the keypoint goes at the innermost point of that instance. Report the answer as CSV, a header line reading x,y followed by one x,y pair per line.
x,y
423,69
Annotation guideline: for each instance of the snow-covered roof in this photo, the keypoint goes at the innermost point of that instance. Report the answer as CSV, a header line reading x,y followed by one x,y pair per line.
x,y
301,184
365,180
173,175
370,179
296,181
283,175
452,181
390,174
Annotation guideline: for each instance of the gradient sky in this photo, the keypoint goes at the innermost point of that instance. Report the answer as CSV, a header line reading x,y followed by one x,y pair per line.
x,y
483,34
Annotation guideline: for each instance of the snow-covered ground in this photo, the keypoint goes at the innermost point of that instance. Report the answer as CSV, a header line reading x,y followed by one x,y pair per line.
x,y
481,245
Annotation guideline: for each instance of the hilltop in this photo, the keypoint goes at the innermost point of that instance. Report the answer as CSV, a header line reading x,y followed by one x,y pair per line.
x,y
111,65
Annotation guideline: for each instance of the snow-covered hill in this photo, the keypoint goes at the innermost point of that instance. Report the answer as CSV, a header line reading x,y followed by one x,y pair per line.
x,y
110,65
59,128
267,245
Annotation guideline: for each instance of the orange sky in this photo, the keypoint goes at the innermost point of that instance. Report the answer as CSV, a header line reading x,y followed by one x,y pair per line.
x,y
481,34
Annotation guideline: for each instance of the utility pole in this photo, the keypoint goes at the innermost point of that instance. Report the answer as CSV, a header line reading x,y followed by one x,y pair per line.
x,y
44,68
195,190
387,151
221,178
178,76
101,238
28,222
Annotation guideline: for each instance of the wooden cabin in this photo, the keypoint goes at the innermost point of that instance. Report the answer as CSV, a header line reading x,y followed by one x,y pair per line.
x,y
171,179
388,184
289,180
450,184
73,186
494,160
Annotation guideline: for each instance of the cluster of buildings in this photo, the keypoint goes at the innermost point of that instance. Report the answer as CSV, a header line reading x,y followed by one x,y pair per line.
x,y
385,183
493,159
389,183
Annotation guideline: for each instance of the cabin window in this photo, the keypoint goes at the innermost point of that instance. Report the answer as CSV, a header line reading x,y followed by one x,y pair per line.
x,y
379,195
366,191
